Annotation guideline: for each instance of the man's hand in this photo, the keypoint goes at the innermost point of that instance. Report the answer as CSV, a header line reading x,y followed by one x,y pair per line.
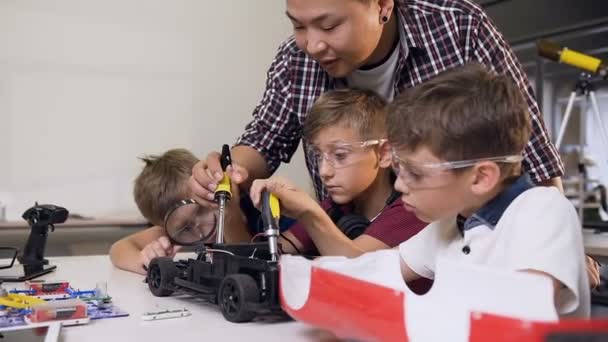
x,y
158,248
593,271
207,173
294,202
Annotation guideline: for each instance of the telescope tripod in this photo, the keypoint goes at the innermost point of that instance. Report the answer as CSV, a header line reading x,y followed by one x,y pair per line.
x,y
584,87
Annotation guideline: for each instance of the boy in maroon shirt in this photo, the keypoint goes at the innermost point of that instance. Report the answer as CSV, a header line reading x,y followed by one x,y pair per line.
x,y
344,137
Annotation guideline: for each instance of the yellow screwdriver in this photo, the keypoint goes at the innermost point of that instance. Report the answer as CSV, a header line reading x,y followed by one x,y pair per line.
x,y
223,194
271,211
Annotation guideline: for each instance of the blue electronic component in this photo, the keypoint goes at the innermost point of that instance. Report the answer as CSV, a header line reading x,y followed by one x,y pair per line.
x,y
12,317
96,312
23,292
81,294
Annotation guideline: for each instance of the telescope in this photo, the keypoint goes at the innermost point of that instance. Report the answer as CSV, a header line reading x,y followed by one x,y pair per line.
x,y
573,58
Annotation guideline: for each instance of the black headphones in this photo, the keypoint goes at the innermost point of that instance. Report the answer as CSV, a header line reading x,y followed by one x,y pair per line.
x,y
353,225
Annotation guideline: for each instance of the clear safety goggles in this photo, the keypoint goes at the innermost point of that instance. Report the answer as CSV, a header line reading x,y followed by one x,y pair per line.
x,y
413,172
341,154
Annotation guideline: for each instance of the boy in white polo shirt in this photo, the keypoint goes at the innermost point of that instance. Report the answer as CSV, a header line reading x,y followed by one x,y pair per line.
x,y
458,141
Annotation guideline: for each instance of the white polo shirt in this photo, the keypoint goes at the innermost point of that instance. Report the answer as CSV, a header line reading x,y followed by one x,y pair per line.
x,y
523,228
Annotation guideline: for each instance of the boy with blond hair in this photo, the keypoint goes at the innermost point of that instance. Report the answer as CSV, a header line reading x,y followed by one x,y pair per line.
x,y
161,184
345,138
344,135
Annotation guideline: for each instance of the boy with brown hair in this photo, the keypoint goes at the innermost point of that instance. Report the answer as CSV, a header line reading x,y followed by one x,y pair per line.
x,y
458,144
458,141
161,184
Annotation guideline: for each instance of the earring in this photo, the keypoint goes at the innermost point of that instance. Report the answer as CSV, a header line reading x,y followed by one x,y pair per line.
x,y
384,19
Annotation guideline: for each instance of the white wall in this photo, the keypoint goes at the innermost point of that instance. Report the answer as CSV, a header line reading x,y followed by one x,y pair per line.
x,y
597,144
86,86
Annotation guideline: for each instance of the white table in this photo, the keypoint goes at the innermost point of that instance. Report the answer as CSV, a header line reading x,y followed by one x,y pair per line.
x,y
206,323
132,295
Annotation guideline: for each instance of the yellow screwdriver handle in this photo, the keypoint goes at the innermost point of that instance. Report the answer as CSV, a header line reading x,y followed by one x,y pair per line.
x,y
224,185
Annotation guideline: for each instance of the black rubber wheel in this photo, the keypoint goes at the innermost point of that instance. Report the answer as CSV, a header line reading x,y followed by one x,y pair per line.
x,y
236,290
161,274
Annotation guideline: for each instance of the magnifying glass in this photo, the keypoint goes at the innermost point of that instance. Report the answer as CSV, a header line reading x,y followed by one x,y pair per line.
x,y
187,223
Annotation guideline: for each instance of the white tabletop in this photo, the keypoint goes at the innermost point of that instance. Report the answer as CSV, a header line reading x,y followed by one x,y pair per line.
x,y
132,295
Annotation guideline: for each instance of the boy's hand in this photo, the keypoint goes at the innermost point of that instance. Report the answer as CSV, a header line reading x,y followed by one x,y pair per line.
x,y
207,173
158,248
295,203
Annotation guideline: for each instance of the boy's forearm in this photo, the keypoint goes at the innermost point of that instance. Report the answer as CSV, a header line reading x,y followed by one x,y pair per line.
x,y
125,255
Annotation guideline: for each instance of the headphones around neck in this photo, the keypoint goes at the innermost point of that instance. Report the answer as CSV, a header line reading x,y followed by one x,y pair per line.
x,y
353,225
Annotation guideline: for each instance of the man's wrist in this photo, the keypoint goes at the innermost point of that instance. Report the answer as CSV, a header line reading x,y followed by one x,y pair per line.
x,y
555,181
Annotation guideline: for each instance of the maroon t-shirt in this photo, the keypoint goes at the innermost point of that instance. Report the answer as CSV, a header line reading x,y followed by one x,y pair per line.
x,y
394,225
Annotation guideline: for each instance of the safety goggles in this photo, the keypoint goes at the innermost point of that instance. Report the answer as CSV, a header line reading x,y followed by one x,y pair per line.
x,y
413,172
341,154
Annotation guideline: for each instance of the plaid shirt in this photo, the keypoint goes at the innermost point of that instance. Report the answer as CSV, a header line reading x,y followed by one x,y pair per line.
x,y
435,35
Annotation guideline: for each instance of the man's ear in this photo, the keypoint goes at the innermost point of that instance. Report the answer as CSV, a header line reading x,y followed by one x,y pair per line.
x,y
386,7
385,155
486,175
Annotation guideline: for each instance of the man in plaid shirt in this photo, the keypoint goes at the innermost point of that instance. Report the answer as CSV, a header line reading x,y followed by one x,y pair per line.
x,y
381,45
332,39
